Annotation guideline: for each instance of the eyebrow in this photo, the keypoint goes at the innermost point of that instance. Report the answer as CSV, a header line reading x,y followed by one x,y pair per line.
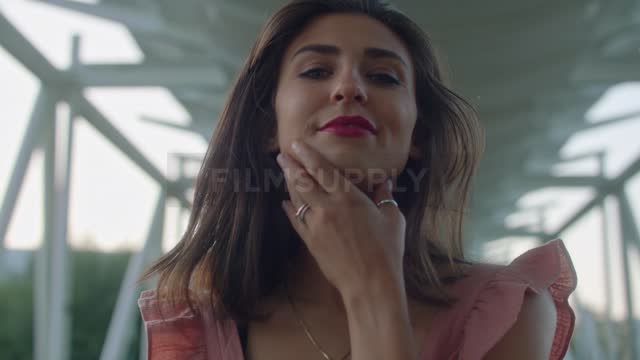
x,y
374,53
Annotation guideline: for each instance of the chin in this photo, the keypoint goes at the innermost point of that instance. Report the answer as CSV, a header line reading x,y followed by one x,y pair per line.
x,y
362,173
360,167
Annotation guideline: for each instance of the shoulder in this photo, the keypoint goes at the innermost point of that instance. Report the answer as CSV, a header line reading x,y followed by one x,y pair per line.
x,y
177,329
519,310
532,334
158,309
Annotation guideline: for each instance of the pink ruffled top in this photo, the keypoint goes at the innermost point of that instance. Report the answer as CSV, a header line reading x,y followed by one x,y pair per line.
x,y
489,302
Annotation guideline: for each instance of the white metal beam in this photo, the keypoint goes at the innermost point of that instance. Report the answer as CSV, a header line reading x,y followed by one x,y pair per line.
x,y
20,48
632,115
537,181
602,191
150,75
35,130
84,108
42,280
142,353
60,259
237,10
121,326
138,21
630,236
122,14
30,57
90,113
611,341
608,71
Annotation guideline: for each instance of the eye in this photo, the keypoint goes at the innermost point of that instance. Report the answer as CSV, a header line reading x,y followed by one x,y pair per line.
x,y
384,79
316,73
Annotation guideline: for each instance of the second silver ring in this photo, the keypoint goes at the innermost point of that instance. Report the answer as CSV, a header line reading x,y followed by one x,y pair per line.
x,y
387,201
301,211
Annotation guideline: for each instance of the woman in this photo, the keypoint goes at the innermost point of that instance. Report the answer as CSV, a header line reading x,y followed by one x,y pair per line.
x,y
327,213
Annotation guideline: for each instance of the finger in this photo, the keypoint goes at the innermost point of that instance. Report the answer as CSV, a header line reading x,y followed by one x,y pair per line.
x,y
297,182
302,186
290,211
329,177
294,196
384,192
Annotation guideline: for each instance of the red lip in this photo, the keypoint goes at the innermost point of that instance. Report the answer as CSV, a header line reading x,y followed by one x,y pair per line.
x,y
350,121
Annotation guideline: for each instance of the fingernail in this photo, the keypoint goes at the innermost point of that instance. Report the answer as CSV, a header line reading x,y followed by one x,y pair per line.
x,y
282,159
389,185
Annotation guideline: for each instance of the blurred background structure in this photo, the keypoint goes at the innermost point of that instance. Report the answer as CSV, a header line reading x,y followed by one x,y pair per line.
x,y
108,106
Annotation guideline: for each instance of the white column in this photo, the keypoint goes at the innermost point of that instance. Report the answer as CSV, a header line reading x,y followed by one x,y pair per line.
x,y
45,109
60,261
119,337
630,235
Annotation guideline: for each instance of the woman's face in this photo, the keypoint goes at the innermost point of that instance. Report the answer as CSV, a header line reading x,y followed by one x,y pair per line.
x,y
345,64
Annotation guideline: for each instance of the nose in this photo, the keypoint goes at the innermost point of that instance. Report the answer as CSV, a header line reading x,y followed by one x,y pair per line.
x,y
348,89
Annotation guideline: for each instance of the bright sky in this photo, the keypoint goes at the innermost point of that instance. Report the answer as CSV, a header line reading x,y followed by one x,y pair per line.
x,y
112,200
584,239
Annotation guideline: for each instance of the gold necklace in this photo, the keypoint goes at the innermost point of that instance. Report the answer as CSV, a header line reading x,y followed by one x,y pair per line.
x,y
306,329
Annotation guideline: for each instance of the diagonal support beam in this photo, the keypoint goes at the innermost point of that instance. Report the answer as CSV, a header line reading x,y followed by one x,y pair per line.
x,y
35,62
633,115
84,108
22,50
125,15
137,21
607,71
188,75
563,181
602,191
35,130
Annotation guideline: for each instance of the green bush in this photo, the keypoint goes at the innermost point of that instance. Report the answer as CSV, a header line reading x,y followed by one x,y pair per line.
x,y
96,279
16,314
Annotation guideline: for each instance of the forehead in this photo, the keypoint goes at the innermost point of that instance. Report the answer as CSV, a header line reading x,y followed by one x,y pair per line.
x,y
350,32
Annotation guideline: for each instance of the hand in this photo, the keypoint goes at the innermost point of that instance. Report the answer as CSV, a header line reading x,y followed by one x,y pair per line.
x,y
352,240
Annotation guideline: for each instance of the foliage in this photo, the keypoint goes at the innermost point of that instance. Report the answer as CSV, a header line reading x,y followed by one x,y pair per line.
x,y
96,279
16,312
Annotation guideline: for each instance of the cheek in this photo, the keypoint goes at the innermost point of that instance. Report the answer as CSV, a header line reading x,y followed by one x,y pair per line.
x,y
292,110
405,112
411,112
286,104
413,118
295,99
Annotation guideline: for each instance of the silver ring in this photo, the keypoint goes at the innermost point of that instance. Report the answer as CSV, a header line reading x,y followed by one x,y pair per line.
x,y
387,201
301,211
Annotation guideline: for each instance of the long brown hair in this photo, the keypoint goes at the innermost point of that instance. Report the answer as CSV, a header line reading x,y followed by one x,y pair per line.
x,y
238,241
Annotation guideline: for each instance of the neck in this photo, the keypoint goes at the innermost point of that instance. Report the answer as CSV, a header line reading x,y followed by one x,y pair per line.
x,y
309,287
307,284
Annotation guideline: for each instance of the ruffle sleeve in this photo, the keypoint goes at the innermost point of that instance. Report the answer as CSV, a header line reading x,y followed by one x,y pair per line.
x,y
499,301
173,330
